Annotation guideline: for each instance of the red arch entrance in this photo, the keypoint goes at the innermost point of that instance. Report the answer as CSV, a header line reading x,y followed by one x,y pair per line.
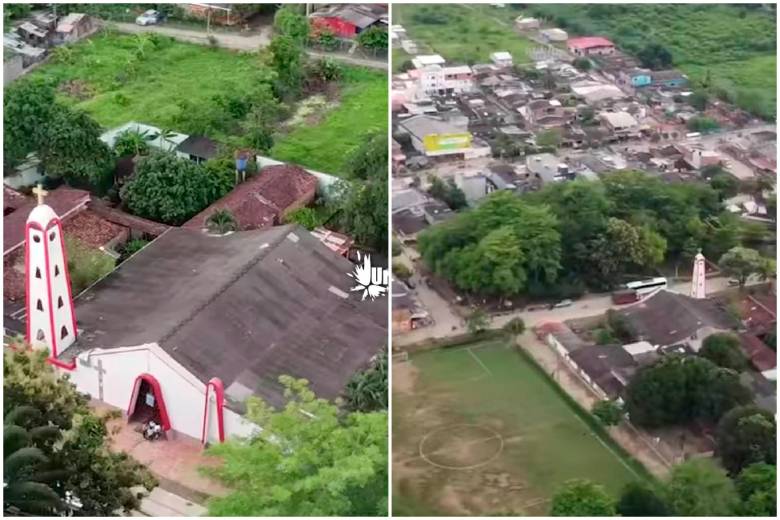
x,y
141,404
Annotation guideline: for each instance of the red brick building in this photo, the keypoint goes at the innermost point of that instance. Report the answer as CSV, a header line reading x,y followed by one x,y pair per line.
x,y
348,20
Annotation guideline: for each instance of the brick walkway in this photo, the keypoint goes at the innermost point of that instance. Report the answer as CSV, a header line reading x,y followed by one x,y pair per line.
x,y
175,462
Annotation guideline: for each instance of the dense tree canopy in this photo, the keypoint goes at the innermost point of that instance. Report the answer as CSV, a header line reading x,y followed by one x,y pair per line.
x,y
639,499
746,435
367,390
741,262
757,487
655,56
308,460
360,202
724,350
698,487
82,465
678,389
67,141
496,248
582,498
172,190
589,233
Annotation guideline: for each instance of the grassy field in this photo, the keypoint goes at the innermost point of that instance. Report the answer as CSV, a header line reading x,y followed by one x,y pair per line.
x,y
465,33
121,78
546,440
362,110
736,44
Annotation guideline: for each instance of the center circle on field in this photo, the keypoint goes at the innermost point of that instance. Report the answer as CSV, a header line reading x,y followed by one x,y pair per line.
x,y
461,446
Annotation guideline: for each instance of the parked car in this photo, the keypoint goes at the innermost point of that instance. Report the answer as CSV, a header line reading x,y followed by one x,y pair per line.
x,y
150,17
733,282
563,303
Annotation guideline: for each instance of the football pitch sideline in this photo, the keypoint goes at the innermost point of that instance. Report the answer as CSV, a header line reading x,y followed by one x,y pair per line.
x,y
479,429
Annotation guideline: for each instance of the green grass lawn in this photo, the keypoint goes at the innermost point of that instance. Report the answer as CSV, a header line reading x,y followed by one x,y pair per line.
x,y
147,90
547,438
466,33
735,43
121,84
325,146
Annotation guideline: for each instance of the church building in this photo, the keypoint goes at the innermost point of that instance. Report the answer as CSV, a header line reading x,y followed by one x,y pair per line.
x,y
188,328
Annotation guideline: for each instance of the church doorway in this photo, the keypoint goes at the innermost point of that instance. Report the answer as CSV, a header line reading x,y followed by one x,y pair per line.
x,y
147,403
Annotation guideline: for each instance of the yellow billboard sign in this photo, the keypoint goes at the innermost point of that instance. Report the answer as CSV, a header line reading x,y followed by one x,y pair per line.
x,y
443,142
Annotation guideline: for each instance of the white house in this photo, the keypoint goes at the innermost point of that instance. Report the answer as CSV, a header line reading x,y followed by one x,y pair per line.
x,y
501,59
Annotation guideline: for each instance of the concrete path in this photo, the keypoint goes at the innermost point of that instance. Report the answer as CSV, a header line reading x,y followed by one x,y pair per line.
x,y
161,502
249,42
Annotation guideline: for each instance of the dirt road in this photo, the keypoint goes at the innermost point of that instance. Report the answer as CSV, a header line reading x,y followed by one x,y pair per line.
x,y
248,42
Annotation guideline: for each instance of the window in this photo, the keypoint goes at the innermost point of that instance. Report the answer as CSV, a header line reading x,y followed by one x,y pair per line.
x,y
36,238
52,235
40,336
56,270
64,332
39,305
60,303
37,272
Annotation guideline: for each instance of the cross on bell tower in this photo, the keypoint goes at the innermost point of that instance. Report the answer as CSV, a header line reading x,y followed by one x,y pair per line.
x,y
51,318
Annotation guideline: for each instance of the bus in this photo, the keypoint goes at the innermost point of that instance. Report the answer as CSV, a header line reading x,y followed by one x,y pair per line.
x,y
647,286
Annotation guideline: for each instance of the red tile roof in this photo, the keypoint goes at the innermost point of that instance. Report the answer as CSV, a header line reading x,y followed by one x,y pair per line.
x,y
63,200
761,356
589,42
262,200
90,229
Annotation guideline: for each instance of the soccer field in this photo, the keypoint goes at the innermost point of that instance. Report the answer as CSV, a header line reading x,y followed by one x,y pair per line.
x,y
479,429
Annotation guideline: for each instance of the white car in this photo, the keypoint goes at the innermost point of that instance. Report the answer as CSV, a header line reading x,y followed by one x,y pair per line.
x,y
563,303
150,17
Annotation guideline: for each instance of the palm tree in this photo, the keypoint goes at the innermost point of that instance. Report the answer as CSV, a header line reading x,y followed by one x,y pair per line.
x,y
221,221
165,135
26,478
367,390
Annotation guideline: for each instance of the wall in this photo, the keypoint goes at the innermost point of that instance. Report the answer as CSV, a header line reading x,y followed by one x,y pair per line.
x,y
12,68
183,393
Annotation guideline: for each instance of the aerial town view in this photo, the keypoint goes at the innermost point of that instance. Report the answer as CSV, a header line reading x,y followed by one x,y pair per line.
x,y
583,207
194,209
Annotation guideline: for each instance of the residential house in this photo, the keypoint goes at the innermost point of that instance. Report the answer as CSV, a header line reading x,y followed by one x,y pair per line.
x,y
501,59
635,77
30,54
349,20
546,113
669,79
74,27
33,35
527,24
667,318
197,148
548,168
264,199
760,356
426,60
621,124
554,35
590,46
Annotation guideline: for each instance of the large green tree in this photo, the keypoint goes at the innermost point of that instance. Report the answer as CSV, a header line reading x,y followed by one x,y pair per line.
x,y
27,110
699,487
678,389
639,499
79,465
582,498
757,487
287,60
170,189
289,21
746,435
724,350
308,460
360,202
741,262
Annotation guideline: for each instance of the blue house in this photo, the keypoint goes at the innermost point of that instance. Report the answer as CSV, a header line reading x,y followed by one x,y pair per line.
x,y
669,79
636,77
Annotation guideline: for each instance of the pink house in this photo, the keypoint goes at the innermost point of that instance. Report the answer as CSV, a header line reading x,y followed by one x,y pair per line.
x,y
590,46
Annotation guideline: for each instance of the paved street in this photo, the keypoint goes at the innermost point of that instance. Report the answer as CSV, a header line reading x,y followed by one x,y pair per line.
x,y
240,41
448,323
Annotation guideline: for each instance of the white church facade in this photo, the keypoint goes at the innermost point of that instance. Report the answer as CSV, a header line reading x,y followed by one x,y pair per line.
x,y
191,326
